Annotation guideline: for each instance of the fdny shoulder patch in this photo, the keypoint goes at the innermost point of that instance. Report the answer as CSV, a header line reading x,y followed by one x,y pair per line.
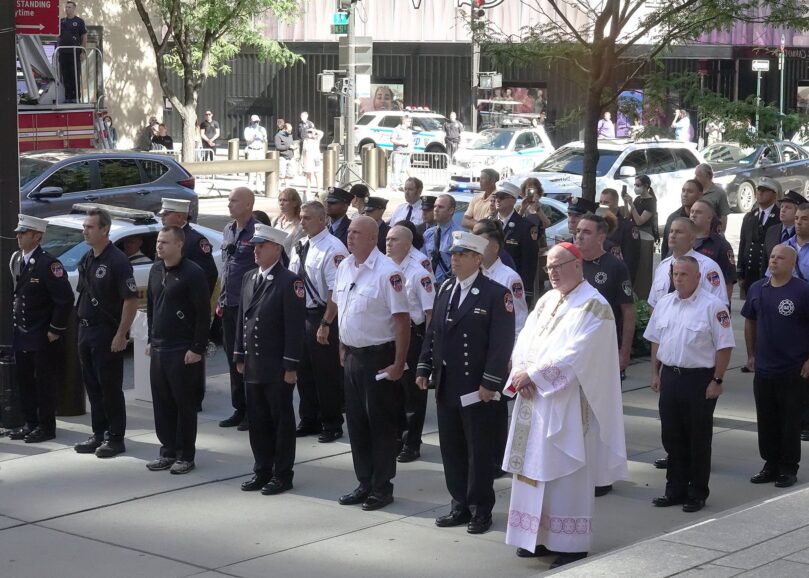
x,y
517,290
299,290
723,318
396,282
338,258
427,283
713,278
508,301
57,269
204,245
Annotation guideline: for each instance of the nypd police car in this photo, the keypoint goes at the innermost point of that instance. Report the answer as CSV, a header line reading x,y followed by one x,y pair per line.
x,y
376,128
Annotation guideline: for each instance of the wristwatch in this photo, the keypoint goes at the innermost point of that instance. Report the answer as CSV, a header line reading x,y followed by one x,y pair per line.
x,y
324,323
717,380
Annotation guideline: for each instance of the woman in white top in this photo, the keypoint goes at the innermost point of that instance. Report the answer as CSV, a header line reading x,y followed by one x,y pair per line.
x,y
289,221
311,157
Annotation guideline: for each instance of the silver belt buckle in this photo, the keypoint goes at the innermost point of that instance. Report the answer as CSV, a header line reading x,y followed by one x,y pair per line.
x,y
676,370
180,315
94,301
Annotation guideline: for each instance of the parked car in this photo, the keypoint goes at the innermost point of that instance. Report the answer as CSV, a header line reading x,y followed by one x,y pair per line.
x,y
555,210
666,162
510,151
64,240
51,182
784,161
376,128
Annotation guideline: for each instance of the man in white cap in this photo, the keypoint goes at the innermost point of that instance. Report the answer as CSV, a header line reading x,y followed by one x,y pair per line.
x,y
42,302
520,235
255,138
467,349
178,310
568,412
269,345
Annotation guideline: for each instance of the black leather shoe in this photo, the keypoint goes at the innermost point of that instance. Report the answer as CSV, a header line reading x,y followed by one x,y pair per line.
x,y
372,502
479,524
408,455
38,436
255,483
763,477
88,447
538,552
662,463
276,486
304,430
110,448
358,496
805,435
233,420
693,505
19,434
782,481
328,436
603,490
667,501
456,518
568,558
244,425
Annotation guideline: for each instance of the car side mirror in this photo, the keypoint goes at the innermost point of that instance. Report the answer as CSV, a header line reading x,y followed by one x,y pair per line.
x,y
48,193
627,171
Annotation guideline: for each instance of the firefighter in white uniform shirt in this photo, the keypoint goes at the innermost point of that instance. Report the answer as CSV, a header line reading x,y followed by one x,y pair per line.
x,y
420,288
682,235
374,320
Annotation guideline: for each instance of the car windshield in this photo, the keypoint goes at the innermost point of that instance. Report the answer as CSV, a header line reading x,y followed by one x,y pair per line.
x,y
430,123
753,155
492,140
32,168
66,244
571,160
729,153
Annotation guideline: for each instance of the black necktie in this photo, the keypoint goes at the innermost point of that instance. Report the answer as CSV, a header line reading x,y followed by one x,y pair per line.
x,y
763,218
455,302
409,212
436,260
671,277
259,281
303,250
785,235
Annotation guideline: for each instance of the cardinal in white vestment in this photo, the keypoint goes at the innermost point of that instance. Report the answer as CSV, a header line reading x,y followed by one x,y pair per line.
x,y
568,411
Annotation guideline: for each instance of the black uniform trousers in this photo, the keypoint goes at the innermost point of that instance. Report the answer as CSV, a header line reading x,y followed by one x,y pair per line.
x,y
70,71
103,375
468,447
686,419
452,148
373,409
37,383
272,427
415,404
320,377
175,396
230,318
779,404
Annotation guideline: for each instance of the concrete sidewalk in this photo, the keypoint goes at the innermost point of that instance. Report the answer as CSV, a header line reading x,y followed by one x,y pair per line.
x,y
64,515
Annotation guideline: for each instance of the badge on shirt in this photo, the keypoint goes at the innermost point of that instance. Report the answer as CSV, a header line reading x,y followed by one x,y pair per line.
x,y
786,307
713,278
635,233
601,277
338,259
723,318
517,290
627,287
204,245
298,287
508,301
731,256
427,283
101,271
57,269
396,282
131,285
534,233
616,252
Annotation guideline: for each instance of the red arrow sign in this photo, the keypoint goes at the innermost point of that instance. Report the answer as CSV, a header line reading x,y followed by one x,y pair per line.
x,y
37,17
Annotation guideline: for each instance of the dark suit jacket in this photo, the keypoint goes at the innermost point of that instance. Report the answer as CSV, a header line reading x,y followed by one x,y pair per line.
x,y
773,237
522,243
342,231
752,258
473,349
272,322
383,235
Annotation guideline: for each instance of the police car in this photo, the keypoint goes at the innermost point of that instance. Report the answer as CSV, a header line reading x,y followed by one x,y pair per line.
x,y
64,240
376,128
509,151
667,163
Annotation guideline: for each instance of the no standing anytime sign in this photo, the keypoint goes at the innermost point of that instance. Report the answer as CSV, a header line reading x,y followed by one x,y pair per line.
x,y
37,17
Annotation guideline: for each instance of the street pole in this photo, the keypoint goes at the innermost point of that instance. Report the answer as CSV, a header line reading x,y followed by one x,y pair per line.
x,y
475,66
781,67
9,207
351,107
758,96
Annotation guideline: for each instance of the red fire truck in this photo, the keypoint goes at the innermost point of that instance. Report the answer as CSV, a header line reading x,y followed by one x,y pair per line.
x,y
45,119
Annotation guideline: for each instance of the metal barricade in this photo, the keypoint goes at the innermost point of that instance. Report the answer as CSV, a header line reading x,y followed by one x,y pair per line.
x,y
431,168
369,168
78,74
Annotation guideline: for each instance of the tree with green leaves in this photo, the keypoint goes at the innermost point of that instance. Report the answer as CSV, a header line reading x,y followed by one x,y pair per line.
x,y
196,39
612,43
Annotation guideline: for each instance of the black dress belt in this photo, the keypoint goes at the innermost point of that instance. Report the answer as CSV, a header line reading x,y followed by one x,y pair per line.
x,y
686,370
371,348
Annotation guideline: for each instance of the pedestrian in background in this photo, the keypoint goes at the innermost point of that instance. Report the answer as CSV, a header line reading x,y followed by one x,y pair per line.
x,y
72,48
606,128
452,135
112,132
310,158
286,154
304,126
402,141
289,218
208,134
255,138
643,210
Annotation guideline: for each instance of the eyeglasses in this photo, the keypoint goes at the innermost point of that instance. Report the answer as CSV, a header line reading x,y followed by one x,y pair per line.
x,y
552,268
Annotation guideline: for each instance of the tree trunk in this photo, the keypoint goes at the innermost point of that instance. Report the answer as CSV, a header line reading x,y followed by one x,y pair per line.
x,y
592,114
190,131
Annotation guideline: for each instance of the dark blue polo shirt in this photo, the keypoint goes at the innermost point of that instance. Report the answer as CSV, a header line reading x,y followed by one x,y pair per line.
x,y
105,282
237,259
782,325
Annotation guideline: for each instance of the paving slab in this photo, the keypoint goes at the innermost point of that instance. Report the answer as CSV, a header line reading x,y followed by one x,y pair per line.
x,y
779,569
709,571
769,551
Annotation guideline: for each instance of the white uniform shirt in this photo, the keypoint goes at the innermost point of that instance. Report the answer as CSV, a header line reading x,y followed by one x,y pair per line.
x,y
420,285
400,213
255,136
367,298
508,278
711,278
324,256
690,331
421,259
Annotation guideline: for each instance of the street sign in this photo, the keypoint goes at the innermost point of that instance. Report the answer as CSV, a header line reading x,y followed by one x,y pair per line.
x,y
339,28
761,66
339,18
37,17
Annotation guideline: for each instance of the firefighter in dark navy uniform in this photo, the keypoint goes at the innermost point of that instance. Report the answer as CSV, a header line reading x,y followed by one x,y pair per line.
x,y
178,309
337,203
520,236
467,349
269,345
107,303
752,258
42,301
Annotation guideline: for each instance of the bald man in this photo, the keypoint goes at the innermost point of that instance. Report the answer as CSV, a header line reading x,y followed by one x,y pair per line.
x,y
237,259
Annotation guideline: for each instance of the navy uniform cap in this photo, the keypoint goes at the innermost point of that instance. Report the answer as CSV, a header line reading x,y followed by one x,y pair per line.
x,y
338,195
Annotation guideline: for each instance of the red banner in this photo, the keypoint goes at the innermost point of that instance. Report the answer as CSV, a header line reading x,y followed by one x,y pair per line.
x,y
37,17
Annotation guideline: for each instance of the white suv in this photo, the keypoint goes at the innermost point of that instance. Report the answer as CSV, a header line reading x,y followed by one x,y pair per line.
x,y
376,128
667,163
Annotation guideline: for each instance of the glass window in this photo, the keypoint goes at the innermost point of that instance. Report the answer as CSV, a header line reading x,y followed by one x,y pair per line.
x,y
492,140
364,119
571,160
660,160
554,215
429,123
66,244
118,173
791,153
685,159
32,168
390,122
524,141
636,159
73,178
153,170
